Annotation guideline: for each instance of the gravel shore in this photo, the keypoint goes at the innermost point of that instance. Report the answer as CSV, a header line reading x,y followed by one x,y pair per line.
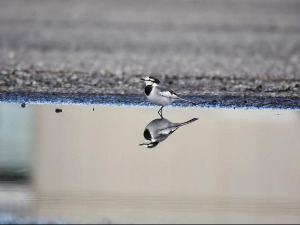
x,y
109,83
208,48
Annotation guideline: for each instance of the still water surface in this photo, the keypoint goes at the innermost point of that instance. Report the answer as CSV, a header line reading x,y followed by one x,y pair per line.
x,y
85,166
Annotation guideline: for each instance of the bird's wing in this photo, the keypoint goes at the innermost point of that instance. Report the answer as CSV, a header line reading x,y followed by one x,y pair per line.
x,y
168,131
166,92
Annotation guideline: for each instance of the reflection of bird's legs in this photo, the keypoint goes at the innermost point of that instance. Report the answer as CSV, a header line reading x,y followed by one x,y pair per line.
x,y
160,112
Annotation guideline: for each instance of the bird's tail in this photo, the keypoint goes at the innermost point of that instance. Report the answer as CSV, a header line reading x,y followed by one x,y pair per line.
x,y
175,126
193,103
185,123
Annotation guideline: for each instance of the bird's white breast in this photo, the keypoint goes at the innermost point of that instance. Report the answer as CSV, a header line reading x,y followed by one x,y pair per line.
x,y
155,97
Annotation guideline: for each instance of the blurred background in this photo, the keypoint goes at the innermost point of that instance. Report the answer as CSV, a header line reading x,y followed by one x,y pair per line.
x,y
256,41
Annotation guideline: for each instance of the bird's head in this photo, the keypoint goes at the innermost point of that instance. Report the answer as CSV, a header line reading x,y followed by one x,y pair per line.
x,y
150,80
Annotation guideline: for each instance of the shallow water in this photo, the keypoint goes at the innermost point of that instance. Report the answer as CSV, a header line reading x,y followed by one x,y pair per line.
x,y
80,165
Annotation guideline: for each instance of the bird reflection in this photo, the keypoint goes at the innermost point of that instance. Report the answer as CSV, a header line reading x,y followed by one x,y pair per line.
x,y
159,129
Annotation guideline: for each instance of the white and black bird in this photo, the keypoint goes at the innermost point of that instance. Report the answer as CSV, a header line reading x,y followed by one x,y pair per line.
x,y
159,94
159,129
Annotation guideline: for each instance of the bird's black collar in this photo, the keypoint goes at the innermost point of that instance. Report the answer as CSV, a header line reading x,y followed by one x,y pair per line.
x,y
148,89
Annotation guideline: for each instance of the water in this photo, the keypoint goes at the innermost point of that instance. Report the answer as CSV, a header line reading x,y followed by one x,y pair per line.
x,y
215,101
85,166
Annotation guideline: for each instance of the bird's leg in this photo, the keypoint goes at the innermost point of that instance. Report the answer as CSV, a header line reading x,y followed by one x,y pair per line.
x,y
160,112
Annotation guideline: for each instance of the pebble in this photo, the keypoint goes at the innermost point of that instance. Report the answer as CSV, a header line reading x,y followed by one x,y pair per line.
x,y
58,110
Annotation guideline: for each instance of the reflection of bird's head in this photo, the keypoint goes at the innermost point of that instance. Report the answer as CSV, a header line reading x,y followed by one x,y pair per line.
x,y
150,80
149,142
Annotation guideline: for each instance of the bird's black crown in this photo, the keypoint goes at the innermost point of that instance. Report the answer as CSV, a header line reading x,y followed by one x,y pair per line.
x,y
152,144
154,79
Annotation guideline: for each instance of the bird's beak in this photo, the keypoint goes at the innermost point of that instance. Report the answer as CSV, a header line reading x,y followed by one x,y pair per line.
x,y
143,79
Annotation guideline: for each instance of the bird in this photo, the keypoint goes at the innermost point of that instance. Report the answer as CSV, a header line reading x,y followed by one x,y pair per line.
x,y
159,94
159,129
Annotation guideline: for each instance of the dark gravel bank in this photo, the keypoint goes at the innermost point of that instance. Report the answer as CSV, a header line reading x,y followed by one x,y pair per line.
x,y
230,48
